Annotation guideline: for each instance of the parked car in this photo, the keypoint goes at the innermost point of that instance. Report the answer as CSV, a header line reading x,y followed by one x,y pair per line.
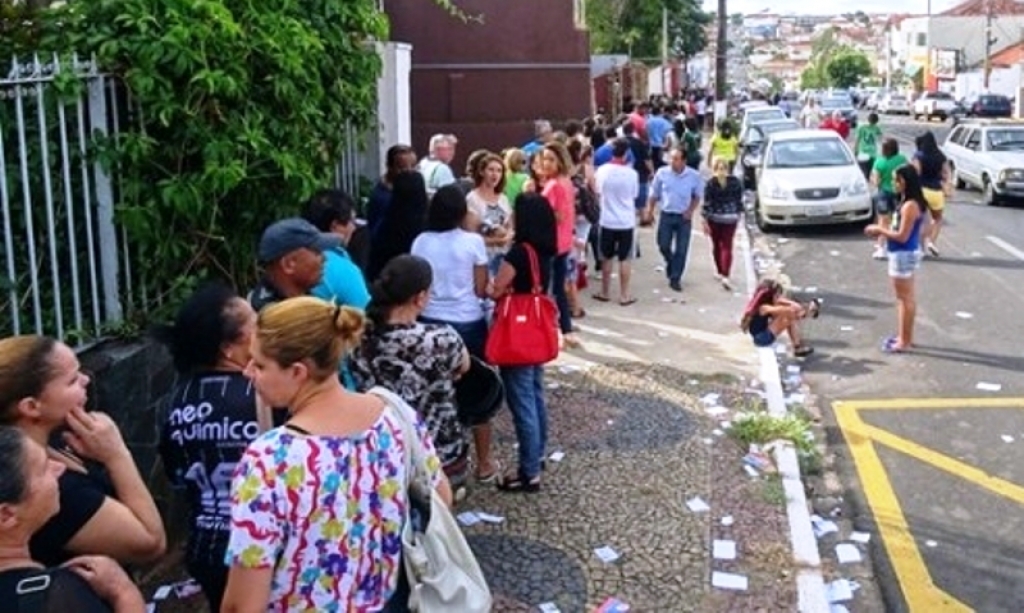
x,y
934,104
988,154
873,100
809,177
988,105
752,142
842,104
759,114
892,104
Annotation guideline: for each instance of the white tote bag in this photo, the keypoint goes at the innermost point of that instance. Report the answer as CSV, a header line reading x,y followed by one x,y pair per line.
x,y
443,574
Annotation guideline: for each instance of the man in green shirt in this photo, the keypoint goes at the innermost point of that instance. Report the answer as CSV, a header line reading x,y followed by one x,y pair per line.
x,y
886,199
866,144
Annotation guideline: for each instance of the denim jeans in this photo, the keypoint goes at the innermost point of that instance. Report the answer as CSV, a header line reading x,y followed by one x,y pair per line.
x,y
674,243
473,333
559,274
524,392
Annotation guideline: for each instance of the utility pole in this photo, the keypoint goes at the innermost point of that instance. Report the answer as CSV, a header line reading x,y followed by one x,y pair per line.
x,y
721,51
665,80
989,41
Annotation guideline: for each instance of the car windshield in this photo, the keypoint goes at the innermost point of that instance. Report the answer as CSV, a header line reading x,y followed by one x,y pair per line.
x,y
778,126
836,103
1006,139
809,153
759,115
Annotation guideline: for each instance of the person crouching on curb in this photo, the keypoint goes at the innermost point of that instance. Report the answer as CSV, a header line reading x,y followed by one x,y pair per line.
x,y
769,313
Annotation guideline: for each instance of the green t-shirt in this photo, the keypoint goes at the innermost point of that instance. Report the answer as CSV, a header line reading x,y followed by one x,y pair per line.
x,y
867,139
514,182
885,167
693,145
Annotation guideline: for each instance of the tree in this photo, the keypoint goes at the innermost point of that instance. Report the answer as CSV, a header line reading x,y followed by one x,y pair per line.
x,y
848,68
611,21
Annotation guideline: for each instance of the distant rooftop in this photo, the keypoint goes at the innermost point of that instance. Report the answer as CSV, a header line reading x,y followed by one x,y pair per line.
x,y
979,7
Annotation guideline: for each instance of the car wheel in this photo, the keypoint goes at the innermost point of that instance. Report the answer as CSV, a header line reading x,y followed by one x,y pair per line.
x,y
942,117
989,195
957,181
762,223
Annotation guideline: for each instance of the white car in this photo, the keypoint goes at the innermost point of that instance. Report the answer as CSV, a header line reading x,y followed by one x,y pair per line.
x,y
890,104
988,155
810,177
934,104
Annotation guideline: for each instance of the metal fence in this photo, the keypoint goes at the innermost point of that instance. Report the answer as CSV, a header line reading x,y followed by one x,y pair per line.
x,y
59,267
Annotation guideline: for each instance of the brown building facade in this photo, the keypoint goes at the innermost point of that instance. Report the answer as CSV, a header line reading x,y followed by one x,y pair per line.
x,y
487,82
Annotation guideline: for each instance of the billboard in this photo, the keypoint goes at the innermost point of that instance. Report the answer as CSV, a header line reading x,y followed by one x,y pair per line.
x,y
943,63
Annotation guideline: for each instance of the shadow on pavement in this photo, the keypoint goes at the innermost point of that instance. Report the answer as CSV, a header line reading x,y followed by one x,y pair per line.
x,y
1002,362
984,262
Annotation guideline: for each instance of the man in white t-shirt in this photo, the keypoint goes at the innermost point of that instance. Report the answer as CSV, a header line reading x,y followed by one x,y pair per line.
x,y
436,168
618,185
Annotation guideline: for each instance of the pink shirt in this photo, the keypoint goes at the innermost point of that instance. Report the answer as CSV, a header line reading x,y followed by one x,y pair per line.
x,y
562,196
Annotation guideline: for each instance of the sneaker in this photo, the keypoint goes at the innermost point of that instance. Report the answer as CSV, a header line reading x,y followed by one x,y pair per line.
x,y
726,284
675,285
878,253
932,250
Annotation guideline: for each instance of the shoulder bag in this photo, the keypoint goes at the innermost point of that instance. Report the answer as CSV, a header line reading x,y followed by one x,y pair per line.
x,y
442,571
524,331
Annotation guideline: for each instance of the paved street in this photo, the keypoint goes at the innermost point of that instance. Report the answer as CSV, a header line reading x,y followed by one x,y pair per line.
x,y
934,438
626,411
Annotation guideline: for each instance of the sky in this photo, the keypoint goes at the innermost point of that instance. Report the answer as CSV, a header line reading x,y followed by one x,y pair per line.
x,y
831,7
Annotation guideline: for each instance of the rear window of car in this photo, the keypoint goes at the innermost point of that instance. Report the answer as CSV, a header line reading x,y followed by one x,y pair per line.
x,y
940,96
994,100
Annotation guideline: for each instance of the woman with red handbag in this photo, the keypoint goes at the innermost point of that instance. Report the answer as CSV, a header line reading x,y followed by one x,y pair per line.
x,y
524,336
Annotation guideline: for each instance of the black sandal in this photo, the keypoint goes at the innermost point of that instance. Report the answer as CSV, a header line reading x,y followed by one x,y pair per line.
x,y
519,483
802,351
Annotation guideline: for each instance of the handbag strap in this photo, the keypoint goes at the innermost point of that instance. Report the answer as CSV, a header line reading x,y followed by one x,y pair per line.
x,y
535,277
410,438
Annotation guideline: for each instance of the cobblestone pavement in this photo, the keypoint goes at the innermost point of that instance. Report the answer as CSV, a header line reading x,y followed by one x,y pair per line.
x,y
638,445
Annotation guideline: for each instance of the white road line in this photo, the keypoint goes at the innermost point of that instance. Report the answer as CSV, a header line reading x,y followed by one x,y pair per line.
x,y
1005,246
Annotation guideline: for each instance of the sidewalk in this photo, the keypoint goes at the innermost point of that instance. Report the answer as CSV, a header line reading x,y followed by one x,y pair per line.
x,y
639,443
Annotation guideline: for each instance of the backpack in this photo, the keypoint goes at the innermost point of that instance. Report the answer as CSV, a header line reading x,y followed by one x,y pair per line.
x,y
586,201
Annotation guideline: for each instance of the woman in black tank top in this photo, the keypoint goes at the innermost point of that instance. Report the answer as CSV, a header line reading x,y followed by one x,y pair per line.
x,y
933,170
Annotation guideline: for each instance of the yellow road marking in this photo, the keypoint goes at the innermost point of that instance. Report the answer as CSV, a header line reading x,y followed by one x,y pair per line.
x,y
920,592
936,403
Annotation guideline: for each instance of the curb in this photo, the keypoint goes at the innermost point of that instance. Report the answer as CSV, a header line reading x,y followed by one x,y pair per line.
x,y
810,583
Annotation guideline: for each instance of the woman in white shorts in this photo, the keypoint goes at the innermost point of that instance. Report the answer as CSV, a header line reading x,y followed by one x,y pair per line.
x,y
903,247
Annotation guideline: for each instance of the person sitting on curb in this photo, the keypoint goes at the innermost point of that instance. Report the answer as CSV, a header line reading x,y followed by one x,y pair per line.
x,y
769,313
291,253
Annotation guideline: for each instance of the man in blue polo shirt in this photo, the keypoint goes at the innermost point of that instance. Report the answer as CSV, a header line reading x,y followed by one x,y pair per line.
x,y
678,190
658,128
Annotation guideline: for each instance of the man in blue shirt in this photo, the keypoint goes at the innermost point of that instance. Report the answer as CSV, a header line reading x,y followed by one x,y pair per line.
x,y
543,132
678,190
604,154
332,211
658,128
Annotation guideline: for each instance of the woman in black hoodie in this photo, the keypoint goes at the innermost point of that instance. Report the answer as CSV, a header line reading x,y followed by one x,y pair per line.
x,y
723,206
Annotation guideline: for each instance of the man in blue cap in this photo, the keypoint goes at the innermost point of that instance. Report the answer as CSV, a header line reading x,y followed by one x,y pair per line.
x,y
291,254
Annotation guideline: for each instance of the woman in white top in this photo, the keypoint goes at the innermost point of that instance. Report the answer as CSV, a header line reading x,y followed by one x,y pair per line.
x,y
490,208
458,259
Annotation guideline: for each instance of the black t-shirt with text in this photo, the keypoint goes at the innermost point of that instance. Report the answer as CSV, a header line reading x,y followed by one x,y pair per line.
x,y
210,421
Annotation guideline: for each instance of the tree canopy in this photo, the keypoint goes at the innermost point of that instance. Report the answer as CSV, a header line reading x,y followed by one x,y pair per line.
x,y
634,26
834,64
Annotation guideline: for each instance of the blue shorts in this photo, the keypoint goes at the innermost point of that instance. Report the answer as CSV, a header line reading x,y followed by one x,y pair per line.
x,y
886,203
903,264
764,338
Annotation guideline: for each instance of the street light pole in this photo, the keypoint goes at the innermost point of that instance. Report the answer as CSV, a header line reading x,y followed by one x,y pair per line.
x,y
665,81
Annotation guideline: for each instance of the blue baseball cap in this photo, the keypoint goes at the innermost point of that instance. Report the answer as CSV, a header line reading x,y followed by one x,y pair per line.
x,y
282,237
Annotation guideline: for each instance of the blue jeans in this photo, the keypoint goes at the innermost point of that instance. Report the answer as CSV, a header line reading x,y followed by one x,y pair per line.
x,y
559,274
473,333
674,243
524,392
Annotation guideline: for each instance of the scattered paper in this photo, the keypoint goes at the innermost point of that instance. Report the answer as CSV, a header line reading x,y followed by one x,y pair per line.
x,y
751,471
716,411
553,385
667,299
989,387
1007,438
162,592
780,350
822,526
612,605
487,518
811,290
566,369
834,253
839,590
838,608
931,543
728,520
783,241
692,382
847,553
549,607
610,422
187,589
606,554
860,537
725,424
723,550
150,607
468,518
663,334
655,291
717,432
557,456
659,268
846,328
729,581
707,441
976,254
697,505
710,399
793,369
796,398
964,315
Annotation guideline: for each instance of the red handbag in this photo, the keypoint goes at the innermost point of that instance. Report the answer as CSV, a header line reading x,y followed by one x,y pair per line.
x,y
524,332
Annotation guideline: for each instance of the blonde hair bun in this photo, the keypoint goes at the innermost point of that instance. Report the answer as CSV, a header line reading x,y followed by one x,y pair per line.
x,y
349,323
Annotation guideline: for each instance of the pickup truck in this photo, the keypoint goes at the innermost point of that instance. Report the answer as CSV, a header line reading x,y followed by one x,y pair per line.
x,y
933,104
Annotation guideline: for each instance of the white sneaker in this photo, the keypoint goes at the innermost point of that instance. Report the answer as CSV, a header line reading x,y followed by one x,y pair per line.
x,y
878,253
726,284
932,249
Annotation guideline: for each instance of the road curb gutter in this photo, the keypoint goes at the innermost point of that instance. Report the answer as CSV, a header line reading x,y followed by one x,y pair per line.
x,y
810,582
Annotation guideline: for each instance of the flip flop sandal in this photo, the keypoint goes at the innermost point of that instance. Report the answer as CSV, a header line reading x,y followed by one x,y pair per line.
x,y
600,298
492,476
803,351
519,483
814,308
628,302
890,346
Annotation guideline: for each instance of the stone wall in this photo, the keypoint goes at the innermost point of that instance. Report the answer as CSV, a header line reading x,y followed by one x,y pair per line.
x,y
131,382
